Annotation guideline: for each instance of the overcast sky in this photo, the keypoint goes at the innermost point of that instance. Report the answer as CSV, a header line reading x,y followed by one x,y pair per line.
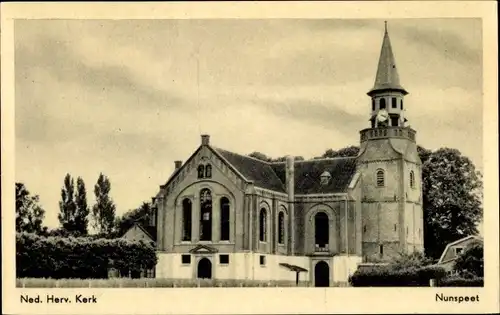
x,y
124,98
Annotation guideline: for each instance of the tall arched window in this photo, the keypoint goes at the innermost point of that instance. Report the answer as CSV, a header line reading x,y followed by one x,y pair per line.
x,y
394,102
186,219
321,233
412,179
382,103
205,215
401,104
281,228
262,225
224,219
380,178
208,171
373,104
201,171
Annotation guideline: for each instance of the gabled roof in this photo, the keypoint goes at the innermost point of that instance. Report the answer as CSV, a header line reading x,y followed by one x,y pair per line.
x,y
150,231
457,242
272,176
387,77
307,174
260,172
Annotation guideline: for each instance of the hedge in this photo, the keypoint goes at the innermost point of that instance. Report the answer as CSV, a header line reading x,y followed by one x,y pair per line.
x,y
385,276
61,257
457,281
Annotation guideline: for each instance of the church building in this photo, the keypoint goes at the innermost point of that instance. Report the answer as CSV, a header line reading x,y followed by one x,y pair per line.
x,y
224,215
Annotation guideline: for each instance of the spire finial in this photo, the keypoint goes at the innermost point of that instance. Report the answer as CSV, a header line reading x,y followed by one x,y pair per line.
x,y
385,22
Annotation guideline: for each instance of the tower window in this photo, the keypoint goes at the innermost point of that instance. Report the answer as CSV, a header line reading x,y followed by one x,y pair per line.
x,y
381,249
394,102
382,103
380,178
373,104
412,179
364,228
395,227
401,104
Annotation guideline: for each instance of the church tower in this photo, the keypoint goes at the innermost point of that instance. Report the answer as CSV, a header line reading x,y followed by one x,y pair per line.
x,y
390,168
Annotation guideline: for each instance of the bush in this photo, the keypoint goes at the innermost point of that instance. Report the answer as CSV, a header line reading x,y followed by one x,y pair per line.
x,y
60,257
386,276
470,262
458,281
413,260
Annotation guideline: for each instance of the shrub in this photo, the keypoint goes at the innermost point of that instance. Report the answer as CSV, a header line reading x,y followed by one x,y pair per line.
x,y
386,276
60,257
457,281
412,260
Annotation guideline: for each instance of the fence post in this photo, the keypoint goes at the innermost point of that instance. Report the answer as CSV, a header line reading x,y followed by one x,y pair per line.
x,y
90,284
432,283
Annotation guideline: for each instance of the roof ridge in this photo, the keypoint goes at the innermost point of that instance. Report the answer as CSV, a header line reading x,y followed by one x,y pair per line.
x,y
242,155
327,159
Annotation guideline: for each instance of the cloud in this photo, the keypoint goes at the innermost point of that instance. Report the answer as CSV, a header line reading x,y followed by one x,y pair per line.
x,y
128,97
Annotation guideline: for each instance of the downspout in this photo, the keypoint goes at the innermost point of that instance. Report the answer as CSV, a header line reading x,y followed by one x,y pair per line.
x,y
346,228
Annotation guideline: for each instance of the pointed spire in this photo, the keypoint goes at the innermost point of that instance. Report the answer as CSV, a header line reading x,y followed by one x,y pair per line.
x,y
387,74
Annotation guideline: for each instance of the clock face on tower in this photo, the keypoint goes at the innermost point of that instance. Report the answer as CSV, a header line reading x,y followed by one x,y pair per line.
x,y
382,115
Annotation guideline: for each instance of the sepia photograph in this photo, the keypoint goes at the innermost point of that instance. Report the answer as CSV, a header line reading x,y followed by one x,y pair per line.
x,y
171,153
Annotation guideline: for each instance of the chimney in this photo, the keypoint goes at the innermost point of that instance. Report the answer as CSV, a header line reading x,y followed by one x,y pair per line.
x,y
205,139
290,189
177,164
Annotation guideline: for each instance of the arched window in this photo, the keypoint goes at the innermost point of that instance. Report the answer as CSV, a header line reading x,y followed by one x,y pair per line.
x,y
373,104
263,225
281,228
401,104
382,103
201,171
205,215
224,219
208,171
186,219
394,102
412,179
321,233
380,178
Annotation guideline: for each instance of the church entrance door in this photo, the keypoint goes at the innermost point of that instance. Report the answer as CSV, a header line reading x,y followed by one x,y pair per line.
x,y
321,274
204,269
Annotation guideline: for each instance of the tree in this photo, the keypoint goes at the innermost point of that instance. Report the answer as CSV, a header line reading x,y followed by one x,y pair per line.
x,y
29,214
141,215
470,261
82,209
103,212
263,157
260,156
67,206
344,152
452,199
